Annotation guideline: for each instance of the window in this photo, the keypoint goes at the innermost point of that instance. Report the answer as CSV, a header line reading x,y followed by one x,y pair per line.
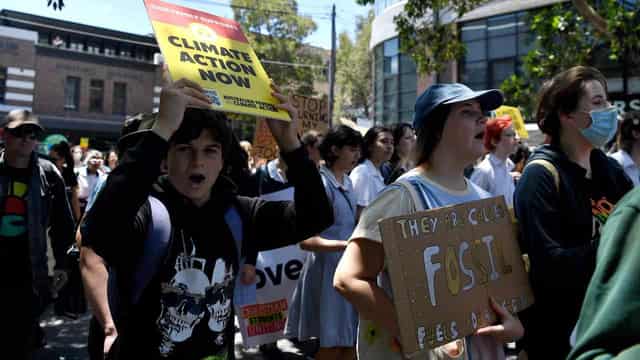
x,y
93,48
494,47
96,95
72,93
3,83
395,84
109,51
119,98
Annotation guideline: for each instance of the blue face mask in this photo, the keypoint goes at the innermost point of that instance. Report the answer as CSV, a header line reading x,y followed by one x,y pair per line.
x,y
604,125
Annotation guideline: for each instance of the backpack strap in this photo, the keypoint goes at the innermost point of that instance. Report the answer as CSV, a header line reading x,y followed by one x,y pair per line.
x,y
550,168
157,243
234,222
418,200
155,248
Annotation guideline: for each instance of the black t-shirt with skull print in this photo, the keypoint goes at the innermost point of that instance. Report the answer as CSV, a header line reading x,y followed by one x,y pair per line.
x,y
185,311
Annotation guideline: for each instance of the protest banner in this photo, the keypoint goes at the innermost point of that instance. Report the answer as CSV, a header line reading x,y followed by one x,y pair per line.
x,y
263,308
516,119
313,114
445,263
213,52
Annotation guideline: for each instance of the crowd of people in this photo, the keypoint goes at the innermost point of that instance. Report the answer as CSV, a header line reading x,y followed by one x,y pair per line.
x,y
164,233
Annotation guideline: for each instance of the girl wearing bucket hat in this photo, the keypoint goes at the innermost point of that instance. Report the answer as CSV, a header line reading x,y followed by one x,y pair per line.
x,y
449,121
566,193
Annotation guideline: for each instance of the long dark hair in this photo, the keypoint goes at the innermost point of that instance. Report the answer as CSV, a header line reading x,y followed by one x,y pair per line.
x,y
430,133
369,139
398,131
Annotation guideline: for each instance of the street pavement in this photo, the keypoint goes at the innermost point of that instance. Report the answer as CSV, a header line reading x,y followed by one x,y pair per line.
x,y
67,340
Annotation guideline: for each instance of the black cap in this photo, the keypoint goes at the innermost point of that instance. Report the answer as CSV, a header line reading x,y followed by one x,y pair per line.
x,y
19,118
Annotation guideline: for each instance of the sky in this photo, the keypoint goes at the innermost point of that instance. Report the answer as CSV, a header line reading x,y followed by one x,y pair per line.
x,y
130,15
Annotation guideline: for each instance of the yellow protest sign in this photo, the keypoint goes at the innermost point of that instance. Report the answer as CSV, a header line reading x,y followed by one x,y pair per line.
x,y
213,52
516,119
84,142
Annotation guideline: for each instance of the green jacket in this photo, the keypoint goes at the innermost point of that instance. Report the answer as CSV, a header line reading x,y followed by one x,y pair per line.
x,y
609,324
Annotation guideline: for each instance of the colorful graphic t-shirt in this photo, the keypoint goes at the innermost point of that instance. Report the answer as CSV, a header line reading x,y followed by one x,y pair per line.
x,y
14,245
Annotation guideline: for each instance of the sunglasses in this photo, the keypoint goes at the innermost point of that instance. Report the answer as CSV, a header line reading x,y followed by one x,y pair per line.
x,y
24,132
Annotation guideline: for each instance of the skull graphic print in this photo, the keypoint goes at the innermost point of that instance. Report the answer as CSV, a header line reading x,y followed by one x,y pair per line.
x,y
188,297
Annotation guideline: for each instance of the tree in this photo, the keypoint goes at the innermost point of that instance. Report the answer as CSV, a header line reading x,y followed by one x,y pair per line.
x,y
566,34
276,32
564,38
353,71
432,43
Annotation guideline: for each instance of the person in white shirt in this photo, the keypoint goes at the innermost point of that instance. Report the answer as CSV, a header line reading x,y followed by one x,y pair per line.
x,y
366,177
493,174
629,143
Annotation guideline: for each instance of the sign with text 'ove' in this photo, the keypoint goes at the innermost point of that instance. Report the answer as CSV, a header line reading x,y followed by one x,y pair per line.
x,y
213,52
445,263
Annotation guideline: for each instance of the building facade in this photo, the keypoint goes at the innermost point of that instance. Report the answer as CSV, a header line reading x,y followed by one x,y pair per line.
x,y
497,36
81,81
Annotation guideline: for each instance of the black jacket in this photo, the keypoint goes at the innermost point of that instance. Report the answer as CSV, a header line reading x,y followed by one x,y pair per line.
x,y
116,227
560,230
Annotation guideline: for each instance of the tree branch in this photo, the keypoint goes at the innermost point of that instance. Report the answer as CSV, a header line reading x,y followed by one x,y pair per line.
x,y
590,14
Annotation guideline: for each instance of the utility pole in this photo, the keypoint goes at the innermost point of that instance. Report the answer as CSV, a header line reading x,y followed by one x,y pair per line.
x,y
332,64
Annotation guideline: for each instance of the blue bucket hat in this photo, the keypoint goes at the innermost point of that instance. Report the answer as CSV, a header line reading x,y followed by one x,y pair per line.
x,y
438,94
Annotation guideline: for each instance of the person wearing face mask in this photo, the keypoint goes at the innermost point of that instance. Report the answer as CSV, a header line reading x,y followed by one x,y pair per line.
x,y
493,174
566,193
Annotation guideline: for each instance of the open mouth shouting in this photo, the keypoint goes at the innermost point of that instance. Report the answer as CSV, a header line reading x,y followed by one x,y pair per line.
x,y
196,179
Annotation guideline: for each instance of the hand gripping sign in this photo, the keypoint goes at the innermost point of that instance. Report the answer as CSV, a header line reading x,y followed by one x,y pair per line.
x,y
445,263
213,52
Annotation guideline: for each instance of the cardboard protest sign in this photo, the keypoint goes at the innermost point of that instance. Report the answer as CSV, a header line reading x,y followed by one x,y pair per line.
x,y
516,119
313,114
264,145
445,263
263,315
213,52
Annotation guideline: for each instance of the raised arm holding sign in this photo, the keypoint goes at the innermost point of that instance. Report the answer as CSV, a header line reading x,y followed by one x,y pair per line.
x,y
214,53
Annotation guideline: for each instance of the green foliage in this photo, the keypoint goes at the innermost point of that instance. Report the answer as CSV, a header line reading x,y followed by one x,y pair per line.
x,y
353,71
564,39
430,41
276,32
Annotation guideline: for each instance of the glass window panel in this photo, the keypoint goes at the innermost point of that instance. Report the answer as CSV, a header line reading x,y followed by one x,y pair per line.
x,y
502,47
408,82
473,30
390,102
406,116
500,70
474,73
408,101
391,47
406,64
119,98
71,93
525,43
96,95
391,85
501,25
476,50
